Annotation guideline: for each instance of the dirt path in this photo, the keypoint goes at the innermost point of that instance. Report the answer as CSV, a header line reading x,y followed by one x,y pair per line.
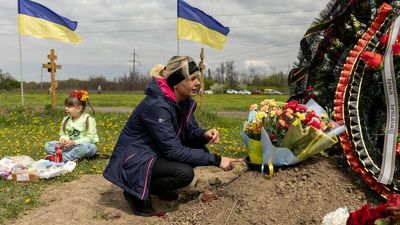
x,y
296,195
242,115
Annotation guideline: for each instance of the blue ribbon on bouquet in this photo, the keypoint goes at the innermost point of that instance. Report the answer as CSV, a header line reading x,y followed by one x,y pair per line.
x,y
272,156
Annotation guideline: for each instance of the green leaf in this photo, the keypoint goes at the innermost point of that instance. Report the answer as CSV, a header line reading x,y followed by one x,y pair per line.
x,y
381,221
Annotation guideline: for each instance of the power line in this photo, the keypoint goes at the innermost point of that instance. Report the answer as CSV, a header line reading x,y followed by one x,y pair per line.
x,y
255,50
170,18
226,15
173,29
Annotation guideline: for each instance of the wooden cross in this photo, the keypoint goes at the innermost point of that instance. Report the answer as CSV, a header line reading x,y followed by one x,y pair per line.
x,y
51,67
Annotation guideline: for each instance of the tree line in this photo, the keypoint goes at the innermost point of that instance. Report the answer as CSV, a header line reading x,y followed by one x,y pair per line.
x,y
224,77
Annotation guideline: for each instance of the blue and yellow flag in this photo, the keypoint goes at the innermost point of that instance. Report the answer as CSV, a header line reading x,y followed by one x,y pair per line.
x,y
195,25
38,21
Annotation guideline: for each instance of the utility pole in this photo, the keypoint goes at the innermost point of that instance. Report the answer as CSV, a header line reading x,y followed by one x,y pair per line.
x,y
133,61
133,79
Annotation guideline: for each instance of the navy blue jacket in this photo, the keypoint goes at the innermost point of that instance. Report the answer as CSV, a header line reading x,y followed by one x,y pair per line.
x,y
158,127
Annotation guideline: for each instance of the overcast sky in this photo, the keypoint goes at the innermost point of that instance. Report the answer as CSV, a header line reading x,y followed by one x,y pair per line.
x,y
264,34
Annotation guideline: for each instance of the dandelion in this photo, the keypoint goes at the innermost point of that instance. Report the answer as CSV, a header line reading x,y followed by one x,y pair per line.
x,y
27,201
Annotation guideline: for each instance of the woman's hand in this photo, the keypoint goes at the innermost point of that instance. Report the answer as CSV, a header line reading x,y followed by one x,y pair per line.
x,y
228,163
212,136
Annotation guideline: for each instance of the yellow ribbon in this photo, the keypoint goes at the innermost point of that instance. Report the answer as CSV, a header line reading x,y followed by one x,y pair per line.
x,y
271,169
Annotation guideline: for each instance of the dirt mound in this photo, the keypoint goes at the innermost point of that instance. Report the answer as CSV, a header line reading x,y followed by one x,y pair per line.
x,y
295,195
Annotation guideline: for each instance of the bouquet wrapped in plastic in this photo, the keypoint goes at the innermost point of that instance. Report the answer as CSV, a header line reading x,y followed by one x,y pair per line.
x,y
287,133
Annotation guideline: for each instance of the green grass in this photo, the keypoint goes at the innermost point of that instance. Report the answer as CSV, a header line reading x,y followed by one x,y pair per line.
x,y
34,99
215,102
24,131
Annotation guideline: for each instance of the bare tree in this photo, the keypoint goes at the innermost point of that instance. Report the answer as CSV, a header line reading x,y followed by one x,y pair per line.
x,y
220,73
231,74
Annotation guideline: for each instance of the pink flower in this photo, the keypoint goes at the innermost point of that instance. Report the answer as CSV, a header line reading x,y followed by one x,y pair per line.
x,y
309,117
301,108
291,104
314,123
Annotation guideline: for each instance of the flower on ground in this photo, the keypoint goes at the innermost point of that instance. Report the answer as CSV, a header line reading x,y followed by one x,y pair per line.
x,y
276,118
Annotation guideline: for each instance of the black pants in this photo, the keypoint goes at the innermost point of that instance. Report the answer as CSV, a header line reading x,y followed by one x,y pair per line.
x,y
170,175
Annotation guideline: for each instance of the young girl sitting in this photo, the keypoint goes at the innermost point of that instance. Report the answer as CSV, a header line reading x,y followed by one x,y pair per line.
x,y
78,133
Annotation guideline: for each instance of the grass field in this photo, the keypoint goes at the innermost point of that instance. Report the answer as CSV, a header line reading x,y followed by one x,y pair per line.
x,y
214,102
24,130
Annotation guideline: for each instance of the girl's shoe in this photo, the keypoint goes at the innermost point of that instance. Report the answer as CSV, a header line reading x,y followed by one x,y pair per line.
x,y
140,207
50,158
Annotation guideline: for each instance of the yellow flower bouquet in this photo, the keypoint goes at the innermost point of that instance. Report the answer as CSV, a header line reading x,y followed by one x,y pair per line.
x,y
287,133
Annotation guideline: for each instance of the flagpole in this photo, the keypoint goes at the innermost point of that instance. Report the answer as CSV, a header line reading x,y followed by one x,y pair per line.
x,y
177,27
20,70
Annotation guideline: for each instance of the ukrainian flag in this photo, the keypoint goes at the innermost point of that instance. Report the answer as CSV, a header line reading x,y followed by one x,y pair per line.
x,y
195,25
38,21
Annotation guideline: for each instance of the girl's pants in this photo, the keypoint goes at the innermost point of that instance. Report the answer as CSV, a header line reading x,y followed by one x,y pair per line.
x,y
170,175
79,151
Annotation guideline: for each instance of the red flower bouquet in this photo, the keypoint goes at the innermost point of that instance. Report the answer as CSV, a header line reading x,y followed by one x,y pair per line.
x,y
287,127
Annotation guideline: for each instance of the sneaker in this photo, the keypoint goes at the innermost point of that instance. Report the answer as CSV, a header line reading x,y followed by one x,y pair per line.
x,y
140,207
167,195
50,158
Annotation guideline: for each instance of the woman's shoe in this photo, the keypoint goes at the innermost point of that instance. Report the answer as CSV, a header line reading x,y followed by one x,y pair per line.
x,y
167,195
140,207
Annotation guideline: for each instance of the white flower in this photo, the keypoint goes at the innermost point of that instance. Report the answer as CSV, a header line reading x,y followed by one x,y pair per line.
x,y
338,217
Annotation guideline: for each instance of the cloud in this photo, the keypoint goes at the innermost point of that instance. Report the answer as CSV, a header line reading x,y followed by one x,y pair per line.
x,y
265,33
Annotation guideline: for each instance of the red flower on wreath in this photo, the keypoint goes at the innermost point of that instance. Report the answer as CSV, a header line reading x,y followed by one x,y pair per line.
x,y
367,215
396,48
371,58
384,39
385,8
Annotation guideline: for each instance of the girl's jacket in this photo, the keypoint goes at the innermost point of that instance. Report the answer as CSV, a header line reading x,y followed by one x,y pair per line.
x,y
158,127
